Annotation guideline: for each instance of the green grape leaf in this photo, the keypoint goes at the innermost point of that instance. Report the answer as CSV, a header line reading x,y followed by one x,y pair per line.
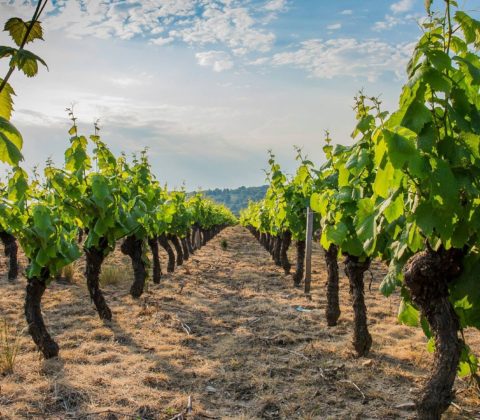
x,y
408,315
392,279
470,27
395,208
334,234
465,292
7,51
17,29
468,363
10,143
27,62
439,59
6,101
437,80
471,68
400,148
416,116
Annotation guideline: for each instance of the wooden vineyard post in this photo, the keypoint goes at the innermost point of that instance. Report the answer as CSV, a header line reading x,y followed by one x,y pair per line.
x,y
308,251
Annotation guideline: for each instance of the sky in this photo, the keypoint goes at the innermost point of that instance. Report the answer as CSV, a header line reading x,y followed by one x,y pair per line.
x,y
209,86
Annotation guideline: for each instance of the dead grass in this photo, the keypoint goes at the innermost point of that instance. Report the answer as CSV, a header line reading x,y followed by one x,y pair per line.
x,y
9,346
69,272
230,337
113,275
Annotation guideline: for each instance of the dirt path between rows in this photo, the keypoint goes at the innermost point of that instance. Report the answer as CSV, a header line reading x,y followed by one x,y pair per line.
x,y
227,329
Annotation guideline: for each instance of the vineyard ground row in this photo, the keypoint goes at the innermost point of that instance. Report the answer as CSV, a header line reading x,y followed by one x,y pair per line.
x,y
225,329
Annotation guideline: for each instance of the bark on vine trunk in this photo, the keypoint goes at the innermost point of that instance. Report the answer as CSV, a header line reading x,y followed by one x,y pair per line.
x,y
133,247
263,240
333,302
157,267
190,242
204,237
300,269
33,313
271,244
178,248
355,269
11,252
277,249
186,254
162,240
427,275
286,241
94,259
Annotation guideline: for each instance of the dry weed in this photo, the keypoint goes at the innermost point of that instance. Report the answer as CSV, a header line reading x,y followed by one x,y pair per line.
x,y
112,275
68,273
9,346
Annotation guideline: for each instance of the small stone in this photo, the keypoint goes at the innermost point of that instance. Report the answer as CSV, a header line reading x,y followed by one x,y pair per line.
x,y
367,363
210,389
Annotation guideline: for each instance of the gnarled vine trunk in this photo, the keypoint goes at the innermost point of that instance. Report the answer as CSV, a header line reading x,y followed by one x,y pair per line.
x,y
11,251
189,239
204,236
300,269
286,241
333,303
178,248
355,269
157,267
427,275
277,249
94,259
33,312
133,247
271,243
263,240
163,241
186,254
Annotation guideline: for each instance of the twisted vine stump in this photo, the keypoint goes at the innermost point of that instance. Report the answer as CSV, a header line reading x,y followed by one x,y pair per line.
x,y
427,276
133,247
355,269
33,313
277,248
189,240
178,248
186,254
333,302
157,268
162,240
286,241
300,269
11,251
94,259
204,236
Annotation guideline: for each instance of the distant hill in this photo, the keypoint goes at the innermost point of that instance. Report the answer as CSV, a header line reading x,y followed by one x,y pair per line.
x,y
236,199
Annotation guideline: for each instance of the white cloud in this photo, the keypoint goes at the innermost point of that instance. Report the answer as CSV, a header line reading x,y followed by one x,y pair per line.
x,y
162,41
347,57
334,26
347,12
231,26
275,5
234,24
390,21
402,6
218,60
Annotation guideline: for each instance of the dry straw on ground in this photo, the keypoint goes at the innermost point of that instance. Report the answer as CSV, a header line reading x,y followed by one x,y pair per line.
x,y
223,329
